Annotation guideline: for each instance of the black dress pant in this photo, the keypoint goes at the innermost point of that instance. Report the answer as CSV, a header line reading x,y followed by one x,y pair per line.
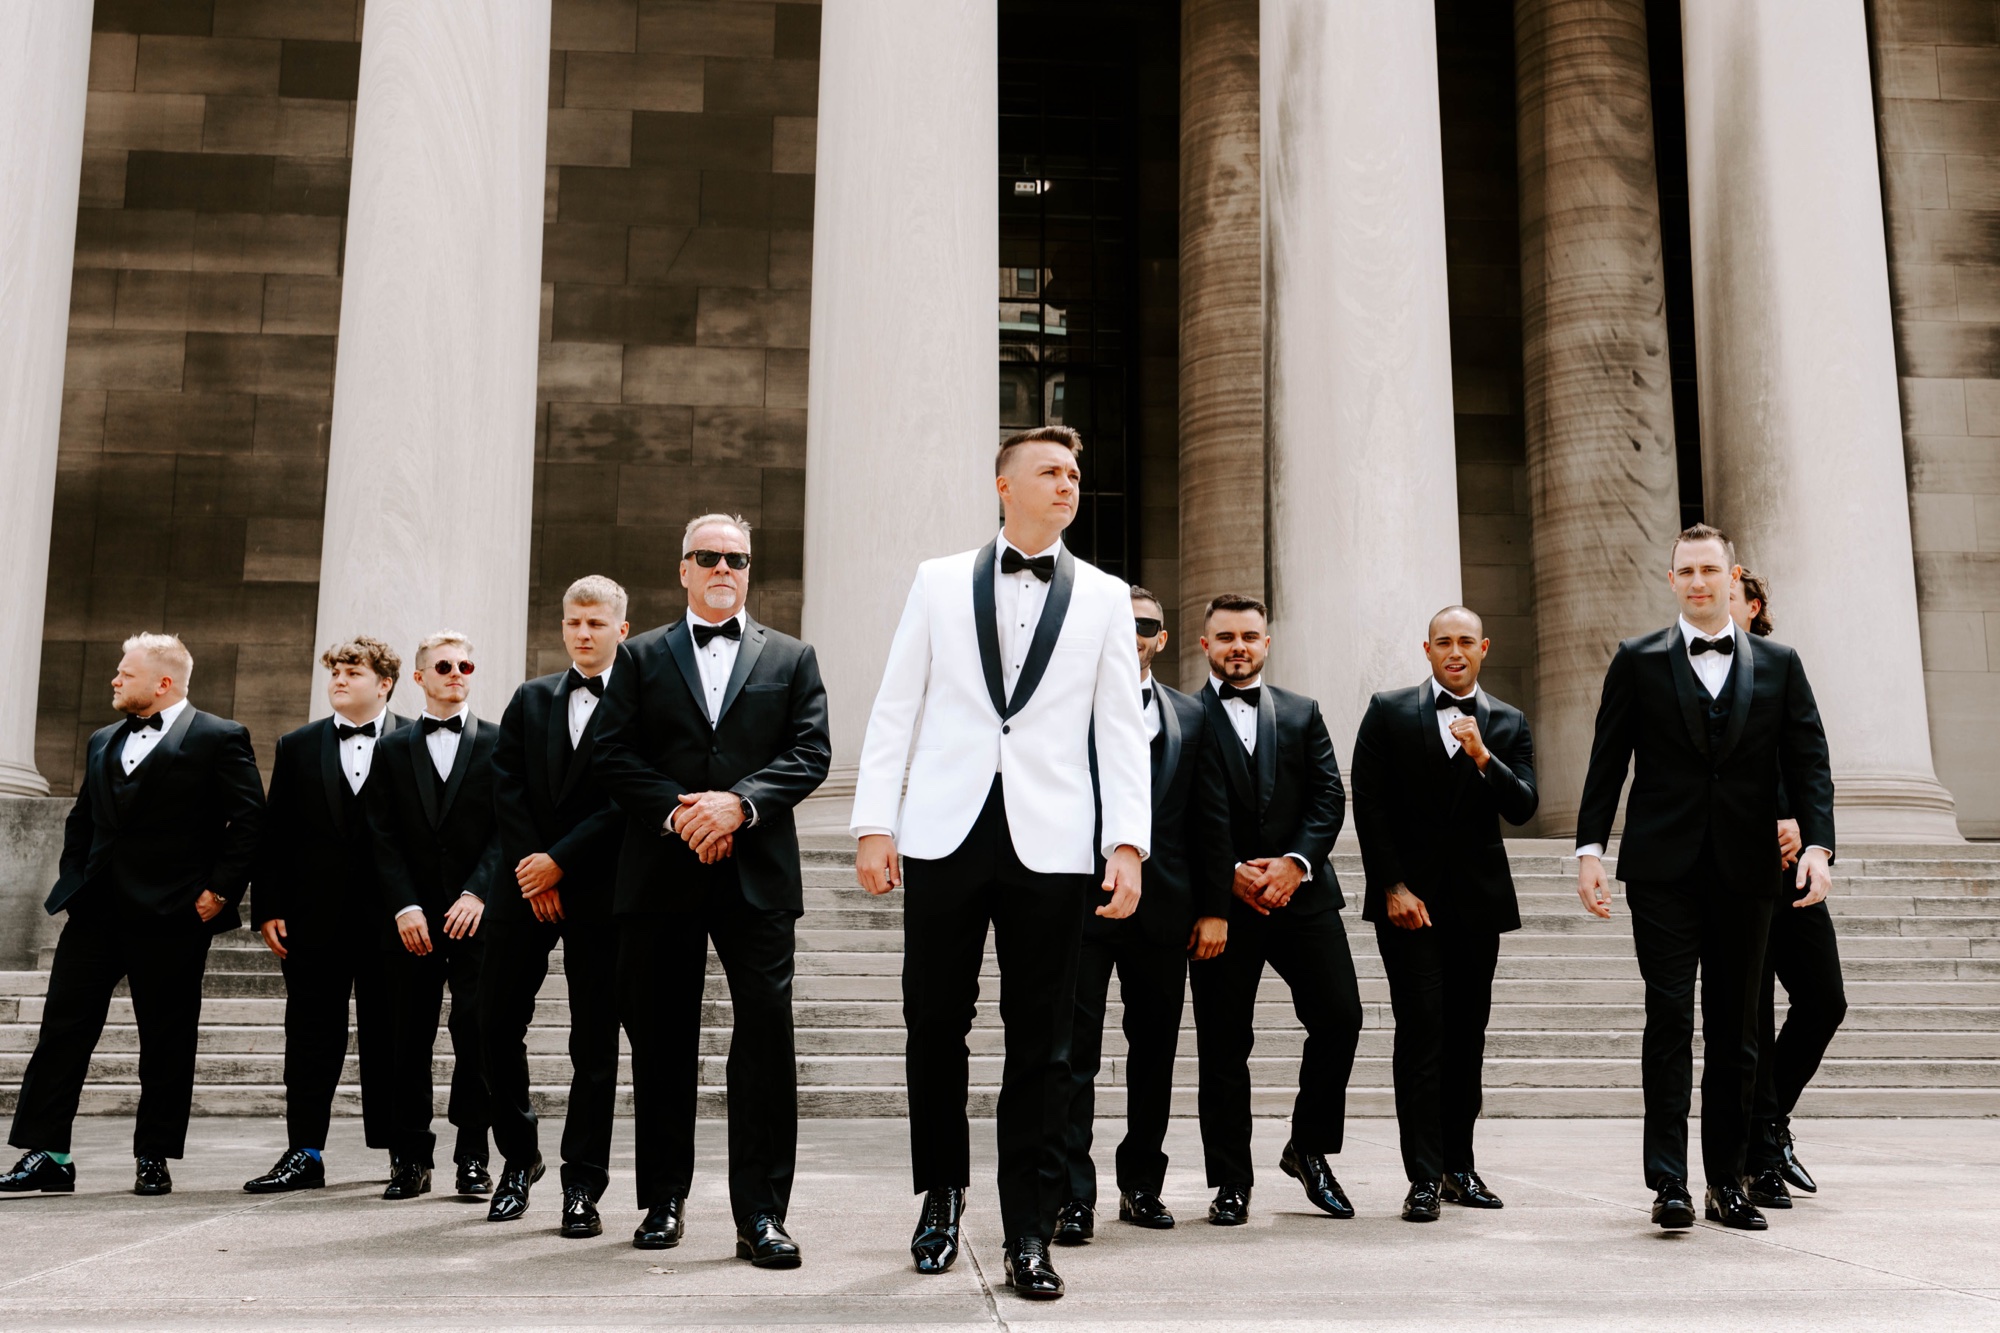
x,y
417,987
1152,982
1805,956
1441,989
164,962
1697,924
1037,920
662,971
322,968
1312,955
516,963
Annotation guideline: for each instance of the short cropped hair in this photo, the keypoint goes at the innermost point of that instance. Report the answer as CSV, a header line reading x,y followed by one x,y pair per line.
x,y
432,642
597,590
700,521
364,651
1066,436
1758,591
1140,594
1701,532
1234,601
1477,619
167,651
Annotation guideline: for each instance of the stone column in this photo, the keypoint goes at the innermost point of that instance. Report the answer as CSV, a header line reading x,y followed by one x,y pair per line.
x,y
1221,316
1599,398
901,410
1363,482
44,73
1801,425
430,474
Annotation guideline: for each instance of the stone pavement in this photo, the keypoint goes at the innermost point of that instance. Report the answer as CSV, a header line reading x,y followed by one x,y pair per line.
x,y
1906,1230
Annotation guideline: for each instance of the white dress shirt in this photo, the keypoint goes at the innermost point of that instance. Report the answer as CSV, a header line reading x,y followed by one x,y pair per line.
x,y
1018,600
1448,716
443,743
357,753
715,661
1244,719
1712,669
1149,705
139,744
582,703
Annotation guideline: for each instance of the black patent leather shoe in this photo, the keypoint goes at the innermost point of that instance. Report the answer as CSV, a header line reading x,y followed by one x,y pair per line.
x,y
663,1226
1673,1206
579,1217
1728,1205
1791,1168
1322,1190
510,1200
472,1177
1144,1210
1421,1204
934,1244
37,1172
764,1242
1467,1190
296,1170
1230,1207
1029,1271
407,1180
1076,1223
1767,1189
150,1176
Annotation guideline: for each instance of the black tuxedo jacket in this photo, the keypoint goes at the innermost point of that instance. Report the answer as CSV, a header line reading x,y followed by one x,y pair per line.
x,y
548,799
654,744
434,840
1432,823
1285,798
189,823
1682,793
315,863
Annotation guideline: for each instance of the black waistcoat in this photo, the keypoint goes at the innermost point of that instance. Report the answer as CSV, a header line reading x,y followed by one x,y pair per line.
x,y
1715,709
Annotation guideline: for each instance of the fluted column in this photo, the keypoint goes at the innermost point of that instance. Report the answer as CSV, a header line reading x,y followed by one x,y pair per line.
x,y
901,423
1600,415
430,474
1801,426
44,74
1221,316
1363,485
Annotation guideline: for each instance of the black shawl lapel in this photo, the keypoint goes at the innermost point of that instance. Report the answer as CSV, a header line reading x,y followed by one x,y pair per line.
x,y
163,755
1687,689
460,762
99,768
1170,745
1743,667
562,763
1436,758
747,653
986,619
1234,760
330,774
680,646
1054,609
1267,748
426,773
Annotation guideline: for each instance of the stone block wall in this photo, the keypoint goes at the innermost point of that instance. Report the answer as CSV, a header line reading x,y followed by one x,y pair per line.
x,y
676,276
1937,78
200,375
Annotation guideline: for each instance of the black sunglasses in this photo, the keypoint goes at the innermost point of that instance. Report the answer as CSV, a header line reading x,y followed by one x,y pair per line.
x,y
446,668
710,559
1148,626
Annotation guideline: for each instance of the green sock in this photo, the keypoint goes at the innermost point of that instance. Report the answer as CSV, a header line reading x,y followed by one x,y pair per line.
x,y
59,1158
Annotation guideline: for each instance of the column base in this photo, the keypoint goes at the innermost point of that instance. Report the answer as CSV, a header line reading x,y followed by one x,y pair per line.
x,y
21,780
1892,807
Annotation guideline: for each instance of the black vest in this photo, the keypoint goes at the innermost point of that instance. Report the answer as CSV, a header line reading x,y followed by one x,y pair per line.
x,y
1715,707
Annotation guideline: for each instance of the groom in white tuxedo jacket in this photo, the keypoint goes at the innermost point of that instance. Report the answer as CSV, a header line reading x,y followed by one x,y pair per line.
x,y
1011,671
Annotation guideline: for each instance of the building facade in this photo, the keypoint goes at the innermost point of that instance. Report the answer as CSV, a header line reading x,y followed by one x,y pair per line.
x,y
319,322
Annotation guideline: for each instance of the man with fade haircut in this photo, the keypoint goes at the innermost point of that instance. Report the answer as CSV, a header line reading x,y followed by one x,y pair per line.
x,y
156,854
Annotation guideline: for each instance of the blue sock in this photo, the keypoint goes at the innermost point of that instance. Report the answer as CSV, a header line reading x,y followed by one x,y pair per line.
x,y
59,1158
312,1153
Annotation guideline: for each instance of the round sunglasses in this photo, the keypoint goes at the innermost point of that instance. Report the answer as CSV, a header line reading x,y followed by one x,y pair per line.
x,y
445,668
710,559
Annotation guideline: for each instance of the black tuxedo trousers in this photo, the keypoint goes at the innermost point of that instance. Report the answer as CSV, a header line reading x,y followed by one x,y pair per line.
x,y
1804,955
1441,991
322,968
1152,983
417,987
1036,918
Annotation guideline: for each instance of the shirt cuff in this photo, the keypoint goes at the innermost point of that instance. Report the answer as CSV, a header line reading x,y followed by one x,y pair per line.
x,y
1815,847
1595,849
1304,864
751,806
407,910
872,832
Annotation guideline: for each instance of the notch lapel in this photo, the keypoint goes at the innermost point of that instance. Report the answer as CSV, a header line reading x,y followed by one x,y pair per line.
x,y
680,646
99,771
1267,748
1685,687
986,621
460,762
163,754
1170,744
1743,670
1234,761
561,761
1054,610
747,653
330,774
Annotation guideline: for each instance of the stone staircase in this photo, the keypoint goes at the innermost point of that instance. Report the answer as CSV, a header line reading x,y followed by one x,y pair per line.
x,y
1919,933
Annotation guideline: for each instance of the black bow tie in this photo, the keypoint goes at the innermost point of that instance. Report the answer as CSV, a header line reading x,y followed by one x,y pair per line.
x,y
455,723
728,629
1725,646
1042,567
1249,694
1447,701
157,722
1146,697
347,733
595,684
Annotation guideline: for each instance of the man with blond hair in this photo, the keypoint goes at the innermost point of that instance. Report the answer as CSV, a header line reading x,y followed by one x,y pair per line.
x,y
156,853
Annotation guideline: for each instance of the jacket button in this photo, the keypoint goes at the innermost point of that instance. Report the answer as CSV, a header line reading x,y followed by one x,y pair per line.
x,y
1005,729
715,749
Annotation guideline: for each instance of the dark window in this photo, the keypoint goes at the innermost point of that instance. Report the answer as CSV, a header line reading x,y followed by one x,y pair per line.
x,y
1663,49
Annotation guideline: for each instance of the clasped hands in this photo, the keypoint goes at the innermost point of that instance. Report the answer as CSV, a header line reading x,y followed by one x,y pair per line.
x,y
1265,882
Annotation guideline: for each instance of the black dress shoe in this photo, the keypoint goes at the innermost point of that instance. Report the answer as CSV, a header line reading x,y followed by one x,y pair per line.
x,y
1421,1203
1791,1168
407,1180
1467,1190
1767,1189
1726,1204
662,1227
580,1219
1673,1206
1076,1223
1322,1190
1029,1272
1144,1210
510,1200
763,1241
1230,1207
935,1242
150,1176
38,1172
472,1177
296,1170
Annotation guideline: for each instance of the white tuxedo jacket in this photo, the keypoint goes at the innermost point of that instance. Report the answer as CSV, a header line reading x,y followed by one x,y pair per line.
x,y
942,715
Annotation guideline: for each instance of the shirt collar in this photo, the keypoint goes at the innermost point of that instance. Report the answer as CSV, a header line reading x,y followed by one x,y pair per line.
x,y
604,675
381,716
694,620
171,714
1438,691
1216,683
1004,545
1689,633
460,711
